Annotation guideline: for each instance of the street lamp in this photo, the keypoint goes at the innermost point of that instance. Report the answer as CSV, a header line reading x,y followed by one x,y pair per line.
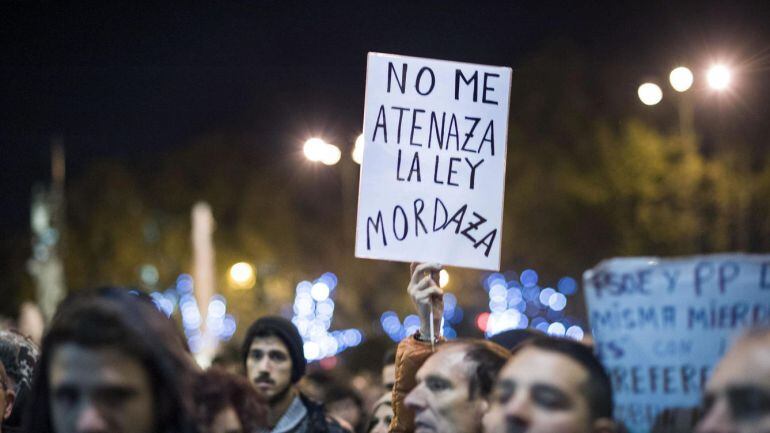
x,y
317,150
681,79
358,150
242,275
650,93
719,77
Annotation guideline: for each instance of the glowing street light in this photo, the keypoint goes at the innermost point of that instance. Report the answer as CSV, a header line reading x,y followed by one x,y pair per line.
x,y
681,79
242,275
719,77
314,149
317,150
650,93
358,150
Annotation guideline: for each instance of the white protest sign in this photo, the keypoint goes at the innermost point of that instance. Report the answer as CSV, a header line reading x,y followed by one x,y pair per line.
x,y
661,325
433,172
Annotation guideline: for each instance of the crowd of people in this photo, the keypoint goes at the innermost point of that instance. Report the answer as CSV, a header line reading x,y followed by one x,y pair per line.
x,y
111,362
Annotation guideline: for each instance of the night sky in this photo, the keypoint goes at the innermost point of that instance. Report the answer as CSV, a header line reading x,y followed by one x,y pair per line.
x,y
128,81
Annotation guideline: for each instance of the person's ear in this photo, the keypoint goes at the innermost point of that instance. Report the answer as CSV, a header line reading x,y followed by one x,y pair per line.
x,y
604,425
10,399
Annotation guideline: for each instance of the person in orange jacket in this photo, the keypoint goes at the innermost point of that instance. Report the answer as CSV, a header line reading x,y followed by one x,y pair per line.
x,y
447,390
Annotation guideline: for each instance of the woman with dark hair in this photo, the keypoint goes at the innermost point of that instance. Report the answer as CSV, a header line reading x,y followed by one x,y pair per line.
x,y
111,362
226,403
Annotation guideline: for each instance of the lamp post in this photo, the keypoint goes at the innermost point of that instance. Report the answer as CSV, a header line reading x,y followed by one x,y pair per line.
x,y
318,150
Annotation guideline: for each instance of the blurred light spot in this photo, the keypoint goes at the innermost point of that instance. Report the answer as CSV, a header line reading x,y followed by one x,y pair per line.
x,y
498,292
567,285
328,363
650,93
217,308
681,79
575,333
492,279
719,77
319,291
304,287
242,275
557,301
184,284
312,351
149,275
358,150
545,295
482,321
556,329
443,278
528,278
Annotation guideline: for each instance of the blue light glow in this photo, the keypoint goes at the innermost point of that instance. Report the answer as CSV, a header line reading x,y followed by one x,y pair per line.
x,y
498,292
492,279
557,301
556,329
575,333
184,284
528,278
320,291
329,279
304,287
567,285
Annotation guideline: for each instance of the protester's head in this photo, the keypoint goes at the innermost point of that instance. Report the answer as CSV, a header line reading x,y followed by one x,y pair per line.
x,y
226,403
274,357
551,385
228,358
389,369
111,362
453,386
19,355
382,415
7,395
513,337
737,397
344,403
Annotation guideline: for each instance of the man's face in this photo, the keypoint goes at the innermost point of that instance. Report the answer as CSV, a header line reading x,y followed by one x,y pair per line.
x,y
99,390
737,397
441,401
389,376
268,366
381,419
539,391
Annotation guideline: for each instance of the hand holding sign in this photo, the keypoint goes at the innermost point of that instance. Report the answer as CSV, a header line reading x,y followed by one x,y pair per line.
x,y
427,296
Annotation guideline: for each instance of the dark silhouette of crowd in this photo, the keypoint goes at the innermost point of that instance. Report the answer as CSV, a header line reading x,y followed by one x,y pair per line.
x,y
110,361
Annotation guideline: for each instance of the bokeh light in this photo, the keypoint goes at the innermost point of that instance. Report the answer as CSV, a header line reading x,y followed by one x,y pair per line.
x,y
314,149
443,278
650,93
719,77
242,275
681,79
357,154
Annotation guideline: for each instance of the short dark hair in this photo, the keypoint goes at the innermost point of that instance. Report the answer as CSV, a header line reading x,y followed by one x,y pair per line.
x,y
484,360
129,322
217,389
598,386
